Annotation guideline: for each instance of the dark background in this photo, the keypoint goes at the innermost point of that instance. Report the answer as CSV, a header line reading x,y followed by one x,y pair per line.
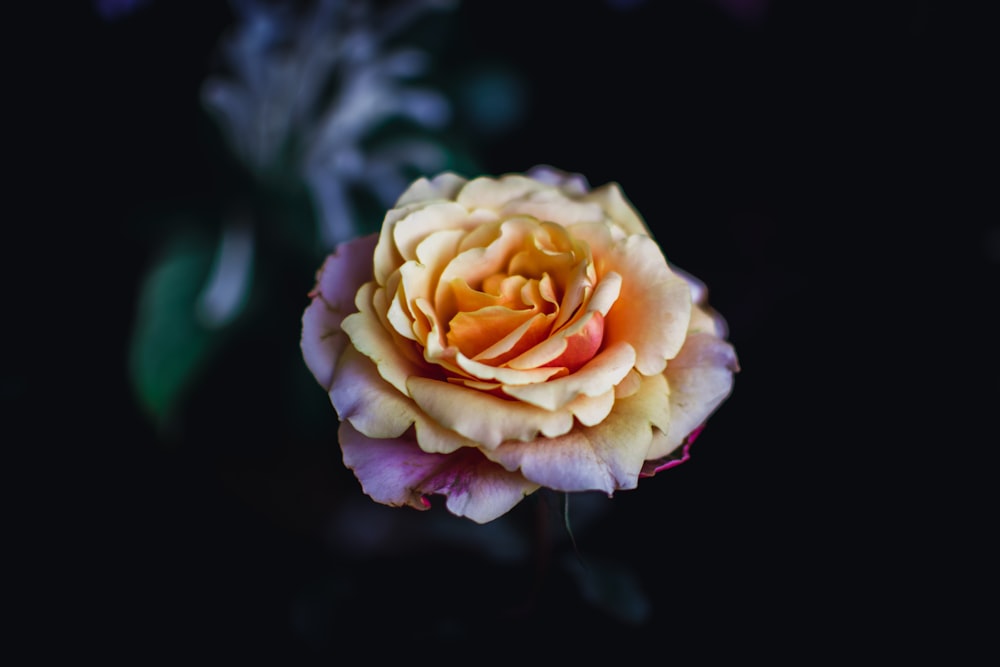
x,y
828,169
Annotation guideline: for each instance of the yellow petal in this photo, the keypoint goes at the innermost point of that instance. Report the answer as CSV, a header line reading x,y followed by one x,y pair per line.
x,y
487,419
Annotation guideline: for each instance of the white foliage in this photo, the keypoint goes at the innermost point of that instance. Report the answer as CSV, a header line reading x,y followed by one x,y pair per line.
x,y
318,82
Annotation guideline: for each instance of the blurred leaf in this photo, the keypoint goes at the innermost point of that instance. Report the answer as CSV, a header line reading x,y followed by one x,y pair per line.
x,y
611,587
169,344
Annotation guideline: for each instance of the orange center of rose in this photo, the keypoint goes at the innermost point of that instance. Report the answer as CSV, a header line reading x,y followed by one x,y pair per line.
x,y
543,290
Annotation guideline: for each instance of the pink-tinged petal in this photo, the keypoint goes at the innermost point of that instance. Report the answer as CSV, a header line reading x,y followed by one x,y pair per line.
x,y
397,472
699,291
605,457
598,376
572,184
343,272
654,307
611,199
700,379
549,350
581,346
372,339
442,186
337,282
704,318
322,341
482,417
678,456
362,397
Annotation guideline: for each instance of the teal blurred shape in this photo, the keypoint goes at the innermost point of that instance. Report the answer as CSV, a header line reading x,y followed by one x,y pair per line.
x,y
169,342
493,99
611,587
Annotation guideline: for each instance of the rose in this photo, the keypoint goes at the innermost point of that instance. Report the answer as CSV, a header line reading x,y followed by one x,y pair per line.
x,y
499,335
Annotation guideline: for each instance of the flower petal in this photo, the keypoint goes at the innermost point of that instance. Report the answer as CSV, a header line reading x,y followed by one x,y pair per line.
x,y
485,418
599,375
337,283
612,200
443,186
605,457
570,183
372,405
700,378
396,472
651,294
493,193
373,340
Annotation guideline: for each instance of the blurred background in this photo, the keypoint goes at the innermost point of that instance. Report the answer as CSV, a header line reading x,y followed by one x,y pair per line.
x,y
828,169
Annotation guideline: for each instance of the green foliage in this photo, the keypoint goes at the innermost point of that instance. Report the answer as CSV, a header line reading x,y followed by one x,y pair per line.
x,y
169,344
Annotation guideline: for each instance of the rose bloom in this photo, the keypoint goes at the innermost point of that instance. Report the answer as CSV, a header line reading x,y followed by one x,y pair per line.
x,y
499,335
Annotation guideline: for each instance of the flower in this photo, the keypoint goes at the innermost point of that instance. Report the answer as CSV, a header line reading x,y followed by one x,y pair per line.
x,y
499,335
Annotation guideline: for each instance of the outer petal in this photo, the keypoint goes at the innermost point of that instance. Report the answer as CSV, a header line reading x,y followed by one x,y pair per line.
x,y
604,457
700,378
371,404
375,342
654,307
396,472
482,417
618,208
337,282
570,183
494,193
443,186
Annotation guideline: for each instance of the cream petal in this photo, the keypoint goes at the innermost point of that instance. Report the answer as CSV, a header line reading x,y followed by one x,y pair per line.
x,y
704,321
475,264
700,379
509,377
411,231
629,384
386,258
396,472
654,307
591,410
484,418
400,318
443,186
475,384
598,376
605,457
494,193
554,206
613,201
436,439
372,339
362,397
419,278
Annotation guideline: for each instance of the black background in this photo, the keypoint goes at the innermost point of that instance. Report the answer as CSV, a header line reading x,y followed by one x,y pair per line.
x,y
829,171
